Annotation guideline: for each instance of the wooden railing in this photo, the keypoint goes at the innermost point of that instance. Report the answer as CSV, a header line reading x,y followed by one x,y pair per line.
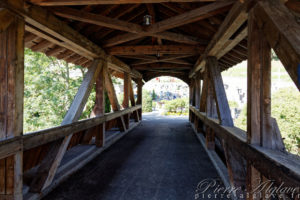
x,y
11,146
281,167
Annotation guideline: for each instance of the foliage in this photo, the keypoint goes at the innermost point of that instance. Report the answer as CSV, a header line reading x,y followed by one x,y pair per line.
x,y
107,103
153,95
147,101
286,110
176,105
50,86
233,104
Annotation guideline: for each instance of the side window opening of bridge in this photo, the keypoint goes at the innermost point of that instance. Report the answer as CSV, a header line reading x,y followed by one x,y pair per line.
x,y
149,99
285,99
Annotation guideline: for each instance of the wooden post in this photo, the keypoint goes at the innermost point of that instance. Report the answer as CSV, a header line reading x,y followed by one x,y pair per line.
x,y
132,101
127,82
219,93
235,162
99,108
211,109
113,97
139,96
197,92
51,161
197,101
192,99
259,122
11,99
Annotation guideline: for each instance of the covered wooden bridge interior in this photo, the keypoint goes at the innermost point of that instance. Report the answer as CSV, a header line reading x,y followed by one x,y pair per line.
x,y
137,40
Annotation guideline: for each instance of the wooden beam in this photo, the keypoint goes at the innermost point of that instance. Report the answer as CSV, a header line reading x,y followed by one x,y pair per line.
x,y
113,98
11,101
233,21
136,30
156,30
275,165
132,101
154,50
197,92
282,32
223,109
50,163
191,16
46,25
127,82
235,163
42,137
172,59
259,121
161,66
97,2
96,19
99,110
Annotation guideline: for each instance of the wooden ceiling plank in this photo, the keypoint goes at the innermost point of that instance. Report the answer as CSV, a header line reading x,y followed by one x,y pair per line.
x,y
41,45
54,51
98,2
154,50
154,59
191,16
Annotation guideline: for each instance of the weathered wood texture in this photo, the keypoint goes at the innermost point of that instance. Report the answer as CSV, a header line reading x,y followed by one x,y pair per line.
x,y
99,110
49,165
285,167
122,26
221,42
92,2
282,31
261,128
127,82
216,80
11,101
49,27
235,162
113,97
154,50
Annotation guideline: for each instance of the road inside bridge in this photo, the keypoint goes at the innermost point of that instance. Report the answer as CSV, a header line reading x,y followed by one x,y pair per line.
x,y
160,159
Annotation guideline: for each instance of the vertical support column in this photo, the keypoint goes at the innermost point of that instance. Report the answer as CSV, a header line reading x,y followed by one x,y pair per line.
x,y
11,99
197,92
99,109
132,100
192,99
127,82
139,96
197,101
259,125
211,109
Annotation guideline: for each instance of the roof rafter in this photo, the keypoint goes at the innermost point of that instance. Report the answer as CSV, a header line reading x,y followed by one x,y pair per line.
x,y
48,26
233,21
95,2
154,50
135,30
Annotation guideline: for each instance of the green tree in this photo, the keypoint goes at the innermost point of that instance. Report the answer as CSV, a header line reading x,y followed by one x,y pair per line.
x,y
50,86
286,110
153,95
147,101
